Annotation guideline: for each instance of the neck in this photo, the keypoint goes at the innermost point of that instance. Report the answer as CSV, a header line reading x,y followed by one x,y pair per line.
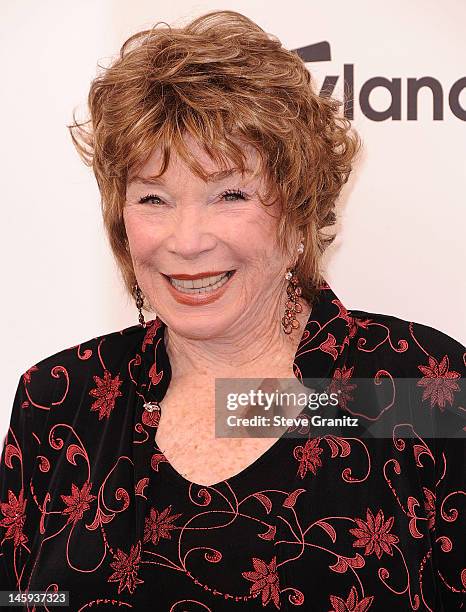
x,y
252,348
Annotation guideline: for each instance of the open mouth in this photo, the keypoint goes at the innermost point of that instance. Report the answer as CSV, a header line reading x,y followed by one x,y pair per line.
x,y
208,284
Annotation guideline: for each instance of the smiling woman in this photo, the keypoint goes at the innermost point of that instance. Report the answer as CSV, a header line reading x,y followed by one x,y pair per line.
x,y
219,168
195,242
229,100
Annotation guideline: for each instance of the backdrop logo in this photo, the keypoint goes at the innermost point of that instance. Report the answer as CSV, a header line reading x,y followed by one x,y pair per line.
x,y
320,52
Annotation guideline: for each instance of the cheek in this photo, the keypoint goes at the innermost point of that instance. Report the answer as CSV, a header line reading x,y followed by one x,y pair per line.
x,y
141,238
255,231
259,253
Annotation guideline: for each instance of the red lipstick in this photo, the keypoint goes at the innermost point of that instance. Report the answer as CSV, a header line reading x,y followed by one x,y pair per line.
x,y
196,276
197,299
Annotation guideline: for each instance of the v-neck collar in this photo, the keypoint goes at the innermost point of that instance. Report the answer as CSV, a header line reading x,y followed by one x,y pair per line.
x,y
322,348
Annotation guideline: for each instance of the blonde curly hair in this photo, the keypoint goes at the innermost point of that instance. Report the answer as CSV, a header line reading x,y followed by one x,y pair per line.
x,y
224,80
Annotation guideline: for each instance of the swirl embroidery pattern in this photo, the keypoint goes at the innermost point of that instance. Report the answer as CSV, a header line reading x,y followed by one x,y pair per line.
x,y
89,503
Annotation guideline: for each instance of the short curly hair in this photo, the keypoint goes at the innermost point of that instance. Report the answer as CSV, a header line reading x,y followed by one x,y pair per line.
x,y
224,80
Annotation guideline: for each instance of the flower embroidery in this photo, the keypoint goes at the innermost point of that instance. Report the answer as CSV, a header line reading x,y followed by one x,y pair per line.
x,y
354,323
78,502
152,327
158,525
429,507
106,392
374,534
265,580
438,382
351,604
340,385
14,513
126,568
308,456
329,346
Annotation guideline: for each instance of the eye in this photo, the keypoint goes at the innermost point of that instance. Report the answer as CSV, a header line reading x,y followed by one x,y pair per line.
x,y
147,198
234,192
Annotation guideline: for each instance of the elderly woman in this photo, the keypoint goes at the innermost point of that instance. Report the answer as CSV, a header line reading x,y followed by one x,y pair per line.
x,y
219,167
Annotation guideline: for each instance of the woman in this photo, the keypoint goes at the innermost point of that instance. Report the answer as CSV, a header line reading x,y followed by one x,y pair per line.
x,y
219,166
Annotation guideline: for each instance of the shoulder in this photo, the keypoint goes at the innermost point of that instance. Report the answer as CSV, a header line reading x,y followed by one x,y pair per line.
x,y
61,381
117,343
423,364
409,346
56,372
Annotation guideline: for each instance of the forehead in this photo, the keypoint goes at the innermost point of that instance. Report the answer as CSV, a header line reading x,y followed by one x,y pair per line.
x,y
153,164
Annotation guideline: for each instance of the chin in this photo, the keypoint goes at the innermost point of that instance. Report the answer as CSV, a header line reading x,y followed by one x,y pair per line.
x,y
200,326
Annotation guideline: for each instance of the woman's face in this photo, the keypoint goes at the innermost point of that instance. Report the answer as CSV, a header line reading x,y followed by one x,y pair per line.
x,y
180,225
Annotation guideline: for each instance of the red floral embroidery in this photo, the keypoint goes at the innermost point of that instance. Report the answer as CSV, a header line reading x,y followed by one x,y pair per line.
x,y
374,534
158,525
154,376
429,507
308,456
152,327
354,323
14,513
329,346
351,604
438,382
78,502
107,391
126,568
151,419
340,385
265,580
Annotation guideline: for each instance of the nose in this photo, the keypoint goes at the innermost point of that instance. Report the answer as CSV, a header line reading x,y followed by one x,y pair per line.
x,y
190,236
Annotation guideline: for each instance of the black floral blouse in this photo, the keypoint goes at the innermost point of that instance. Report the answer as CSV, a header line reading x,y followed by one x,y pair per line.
x,y
341,523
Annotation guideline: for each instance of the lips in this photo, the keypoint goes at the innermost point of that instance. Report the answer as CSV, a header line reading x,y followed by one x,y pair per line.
x,y
196,276
197,296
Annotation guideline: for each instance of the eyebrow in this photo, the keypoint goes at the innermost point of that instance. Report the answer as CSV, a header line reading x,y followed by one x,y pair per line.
x,y
213,177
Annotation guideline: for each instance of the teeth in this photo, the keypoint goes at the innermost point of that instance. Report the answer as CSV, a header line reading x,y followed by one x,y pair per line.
x,y
198,283
201,285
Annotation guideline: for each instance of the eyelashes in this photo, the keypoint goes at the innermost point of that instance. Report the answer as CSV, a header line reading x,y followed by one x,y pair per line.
x,y
237,192
228,192
147,198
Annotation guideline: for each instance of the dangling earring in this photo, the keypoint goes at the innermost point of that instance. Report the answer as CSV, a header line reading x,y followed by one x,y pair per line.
x,y
139,303
292,306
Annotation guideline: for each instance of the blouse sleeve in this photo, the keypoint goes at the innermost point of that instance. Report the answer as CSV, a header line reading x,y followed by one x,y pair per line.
x,y
18,511
449,546
449,536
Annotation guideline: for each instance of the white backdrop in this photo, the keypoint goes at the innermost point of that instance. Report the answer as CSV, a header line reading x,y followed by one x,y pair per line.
x,y
402,215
